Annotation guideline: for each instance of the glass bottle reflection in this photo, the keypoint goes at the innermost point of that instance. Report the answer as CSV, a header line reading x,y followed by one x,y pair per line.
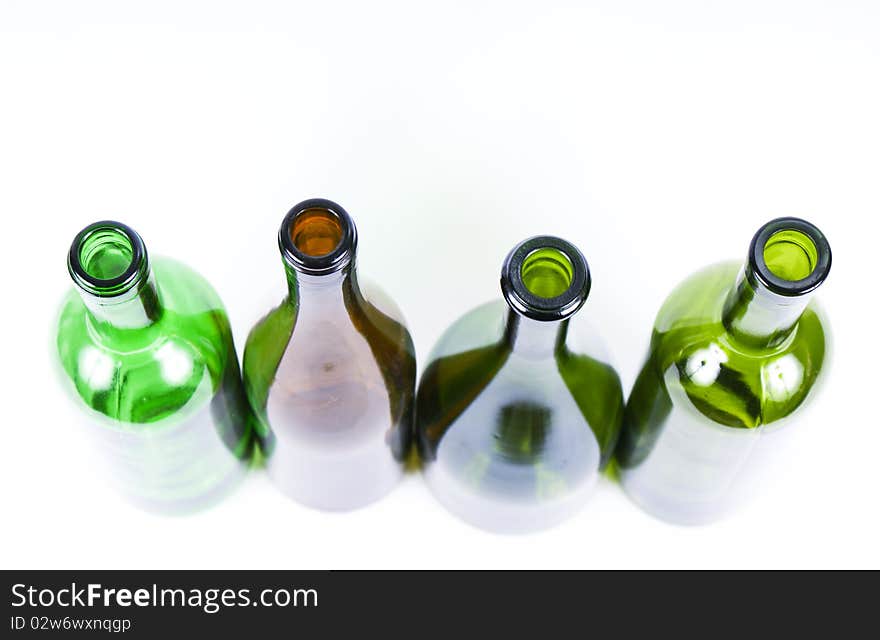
x,y
518,408
146,349
330,372
735,350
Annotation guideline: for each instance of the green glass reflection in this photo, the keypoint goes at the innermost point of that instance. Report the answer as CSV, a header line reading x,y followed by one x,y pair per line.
x,y
516,416
547,272
727,358
790,254
106,254
156,370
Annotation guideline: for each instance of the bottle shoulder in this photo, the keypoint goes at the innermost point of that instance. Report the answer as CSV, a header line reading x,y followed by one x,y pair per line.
x,y
191,312
379,299
727,381
184,290
148,374
473,365
698,299
372,317
142,385
480,327
338,338
383,325
484,326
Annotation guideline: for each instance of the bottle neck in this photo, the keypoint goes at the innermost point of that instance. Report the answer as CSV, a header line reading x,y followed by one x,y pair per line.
x,y
544,280
534,339
109,265
757,316
319,293
137,308
318,242
789,258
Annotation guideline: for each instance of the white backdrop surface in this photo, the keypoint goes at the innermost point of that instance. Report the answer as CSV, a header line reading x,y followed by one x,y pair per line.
x,y
655,136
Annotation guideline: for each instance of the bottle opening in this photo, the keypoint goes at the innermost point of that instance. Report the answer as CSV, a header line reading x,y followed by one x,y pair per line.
x,y
790,254
317,237
316,232
106,254
547,272
545,278
107,258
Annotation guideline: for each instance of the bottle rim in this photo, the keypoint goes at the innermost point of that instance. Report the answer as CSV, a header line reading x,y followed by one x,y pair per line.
x,y
524,301
336,259
117,285
777,284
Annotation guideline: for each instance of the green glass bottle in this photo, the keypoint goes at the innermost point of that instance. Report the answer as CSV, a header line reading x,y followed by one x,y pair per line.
x,y
145,349
734,352
518,408
330,372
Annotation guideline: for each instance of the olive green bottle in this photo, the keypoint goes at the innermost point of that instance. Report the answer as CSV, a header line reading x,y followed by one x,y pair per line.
x,y
146,351
735,350
330,372
518,408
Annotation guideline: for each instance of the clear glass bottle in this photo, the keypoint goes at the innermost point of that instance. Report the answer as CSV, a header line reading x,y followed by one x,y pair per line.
x,y
518,408
330,372
145,348
735,351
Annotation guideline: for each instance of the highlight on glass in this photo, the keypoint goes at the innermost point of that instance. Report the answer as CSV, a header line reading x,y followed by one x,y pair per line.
x,y
145,349
518,406
330,372
735,351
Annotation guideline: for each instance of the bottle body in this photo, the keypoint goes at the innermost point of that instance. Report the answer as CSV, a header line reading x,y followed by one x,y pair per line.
x,y
729,361
516,416
164,397
330,373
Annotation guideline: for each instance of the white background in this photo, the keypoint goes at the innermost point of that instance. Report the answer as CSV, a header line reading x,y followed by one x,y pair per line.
x,y
656,136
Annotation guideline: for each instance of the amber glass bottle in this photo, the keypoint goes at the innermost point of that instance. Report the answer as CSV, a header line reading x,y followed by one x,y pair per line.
x,y
330,372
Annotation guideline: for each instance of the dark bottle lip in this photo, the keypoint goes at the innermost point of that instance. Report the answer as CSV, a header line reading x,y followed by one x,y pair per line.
x,y
537,307
770,280
110,287
325,264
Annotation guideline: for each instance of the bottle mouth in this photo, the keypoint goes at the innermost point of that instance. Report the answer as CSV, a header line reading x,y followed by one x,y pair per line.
x,y
317,237
790,256
545,278
107,258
